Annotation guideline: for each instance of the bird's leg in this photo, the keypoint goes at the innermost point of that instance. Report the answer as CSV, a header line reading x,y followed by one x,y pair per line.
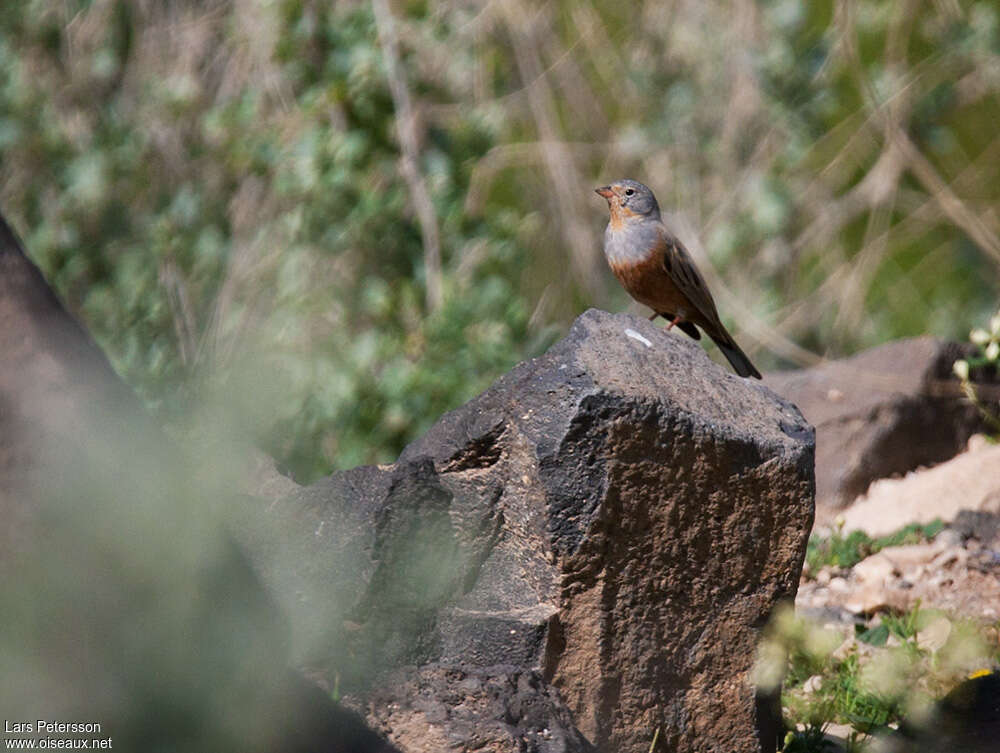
x,y
653,316
676,320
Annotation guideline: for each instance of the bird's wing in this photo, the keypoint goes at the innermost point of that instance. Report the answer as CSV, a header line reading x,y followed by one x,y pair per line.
x,y
679,265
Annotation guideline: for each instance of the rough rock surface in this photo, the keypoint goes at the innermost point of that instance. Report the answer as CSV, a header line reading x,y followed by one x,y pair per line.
x,y
438,708
882,412
620,514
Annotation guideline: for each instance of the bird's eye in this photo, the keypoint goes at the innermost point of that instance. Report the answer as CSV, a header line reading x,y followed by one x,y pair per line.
x,y
629,191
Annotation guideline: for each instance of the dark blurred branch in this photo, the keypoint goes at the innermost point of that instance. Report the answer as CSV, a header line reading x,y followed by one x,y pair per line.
x,y
409,162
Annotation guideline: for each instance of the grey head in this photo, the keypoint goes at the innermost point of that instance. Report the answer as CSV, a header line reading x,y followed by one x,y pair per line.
x,y
629,198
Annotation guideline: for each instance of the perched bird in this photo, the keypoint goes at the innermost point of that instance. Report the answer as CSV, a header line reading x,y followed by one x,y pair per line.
x,y
657,270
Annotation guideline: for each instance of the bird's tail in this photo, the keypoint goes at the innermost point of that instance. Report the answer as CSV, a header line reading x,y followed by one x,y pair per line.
x,y
735,356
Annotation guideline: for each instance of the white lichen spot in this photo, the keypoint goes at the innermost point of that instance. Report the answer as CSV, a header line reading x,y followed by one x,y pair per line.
x,y
636,336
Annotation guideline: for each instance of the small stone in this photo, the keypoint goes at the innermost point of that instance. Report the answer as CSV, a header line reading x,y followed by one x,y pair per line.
x,y
950,556
948,538
813,684
877,568
867,600
839,585
933,637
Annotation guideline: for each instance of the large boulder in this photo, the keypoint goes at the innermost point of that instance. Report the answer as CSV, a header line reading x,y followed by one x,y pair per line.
x,y
620,515
882,412
967,483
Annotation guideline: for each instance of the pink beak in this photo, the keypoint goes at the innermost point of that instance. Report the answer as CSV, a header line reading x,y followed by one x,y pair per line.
x,y
604,191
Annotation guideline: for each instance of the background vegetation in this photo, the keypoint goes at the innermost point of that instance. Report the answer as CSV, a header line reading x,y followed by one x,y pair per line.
x,y
348,217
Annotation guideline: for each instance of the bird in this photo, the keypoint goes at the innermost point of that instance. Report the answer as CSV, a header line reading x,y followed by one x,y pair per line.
x,y
657,271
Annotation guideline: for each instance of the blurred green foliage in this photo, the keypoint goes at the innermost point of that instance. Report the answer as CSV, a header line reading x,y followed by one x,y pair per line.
x,y
215,187
235,220
891,668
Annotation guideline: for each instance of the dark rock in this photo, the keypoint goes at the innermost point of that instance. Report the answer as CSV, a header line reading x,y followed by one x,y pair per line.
x,y
312,723
882,412
435,708
982,525
620,514
56,387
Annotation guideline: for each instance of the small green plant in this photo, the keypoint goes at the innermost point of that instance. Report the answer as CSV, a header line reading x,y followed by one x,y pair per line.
x,y
813,739
809,740
907,625
845,551
891,668
988,357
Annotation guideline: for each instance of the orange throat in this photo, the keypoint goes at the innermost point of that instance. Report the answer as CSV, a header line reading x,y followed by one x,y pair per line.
x,y
619,214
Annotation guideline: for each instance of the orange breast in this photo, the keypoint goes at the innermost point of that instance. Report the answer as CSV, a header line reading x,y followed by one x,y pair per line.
x,y
649,283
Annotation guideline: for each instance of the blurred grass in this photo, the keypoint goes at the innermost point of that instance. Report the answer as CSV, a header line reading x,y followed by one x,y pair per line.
x,y
218,188
871,676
